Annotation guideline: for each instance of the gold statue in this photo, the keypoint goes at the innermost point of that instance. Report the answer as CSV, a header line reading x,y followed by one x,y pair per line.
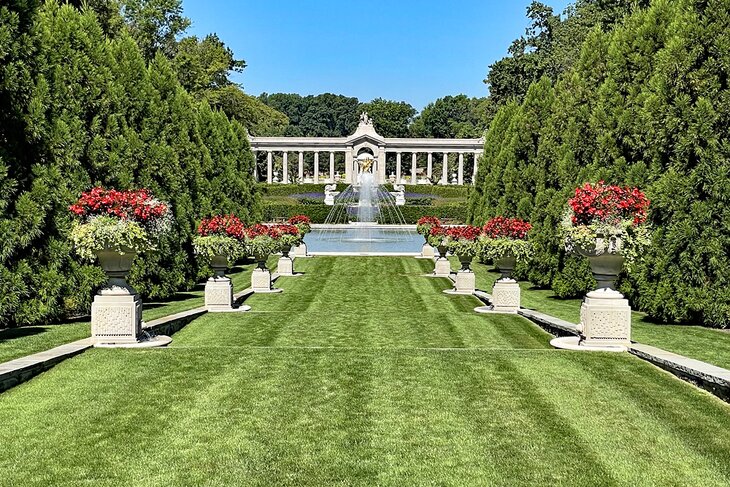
x,y
366,165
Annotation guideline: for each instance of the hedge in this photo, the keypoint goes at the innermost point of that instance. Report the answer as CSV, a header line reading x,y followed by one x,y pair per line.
x,y
318,213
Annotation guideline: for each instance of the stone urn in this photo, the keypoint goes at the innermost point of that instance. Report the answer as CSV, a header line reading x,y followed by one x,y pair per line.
x,y
465,260
442,267
606,260
219,289
261,261
443,250
219,264
117,264
285,250
116,313
506,265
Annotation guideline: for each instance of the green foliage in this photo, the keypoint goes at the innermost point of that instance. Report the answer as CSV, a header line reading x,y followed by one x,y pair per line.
x,y
390,118
318,213
109,233
325,115
155,25
452,117
645,105
209,246
79,109
497,248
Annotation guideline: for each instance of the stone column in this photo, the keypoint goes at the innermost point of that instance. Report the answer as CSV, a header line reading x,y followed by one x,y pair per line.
x,y
301,166
332,167
269,167
397,168
414,168
256,166
476,166
429,168
381,165
316,168
349,179
461,168
445,172
285,168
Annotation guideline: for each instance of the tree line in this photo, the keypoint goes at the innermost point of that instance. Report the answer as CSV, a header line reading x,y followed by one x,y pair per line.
x,y
643,102
104,94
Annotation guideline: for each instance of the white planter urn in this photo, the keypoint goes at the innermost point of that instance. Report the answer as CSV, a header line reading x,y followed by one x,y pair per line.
x,y
261,276
506,293
219,289
605,316
285,267
116,313
442,267
465,278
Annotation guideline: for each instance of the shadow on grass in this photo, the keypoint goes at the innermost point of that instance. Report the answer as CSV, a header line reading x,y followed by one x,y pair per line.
x,y
12,333
172,299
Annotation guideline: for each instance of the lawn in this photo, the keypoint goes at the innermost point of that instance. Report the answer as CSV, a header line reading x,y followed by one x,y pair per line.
x,y
706,344
361,373
27,340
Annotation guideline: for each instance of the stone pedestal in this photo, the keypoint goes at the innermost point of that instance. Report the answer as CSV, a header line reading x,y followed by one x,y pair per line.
x,y
261,281
116,316
605,319
301,250
219,294
285,266
427,252
442,268
506,296
465,282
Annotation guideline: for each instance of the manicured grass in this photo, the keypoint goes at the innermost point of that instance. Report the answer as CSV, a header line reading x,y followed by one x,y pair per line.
x,y
273,416
365,303
706,344
27,340
361,373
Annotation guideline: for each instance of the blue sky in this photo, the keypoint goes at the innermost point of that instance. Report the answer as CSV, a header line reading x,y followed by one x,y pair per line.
x,y
416,51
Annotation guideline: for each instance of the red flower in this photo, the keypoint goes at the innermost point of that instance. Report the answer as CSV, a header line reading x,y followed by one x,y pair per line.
x,y
608,204
229,225
464,233
138,205
429,220
299,219
501,227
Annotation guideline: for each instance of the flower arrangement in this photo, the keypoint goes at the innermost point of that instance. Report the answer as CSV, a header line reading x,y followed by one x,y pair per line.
x,y
425,224
220,236
504,237
462,241
262,240
607,219
121,221
302,222
288,235
436,237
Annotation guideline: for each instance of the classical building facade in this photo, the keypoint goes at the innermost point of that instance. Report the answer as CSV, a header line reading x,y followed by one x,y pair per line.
x,y
366,140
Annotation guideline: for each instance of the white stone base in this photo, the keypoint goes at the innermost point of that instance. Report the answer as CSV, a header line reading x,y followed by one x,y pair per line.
x,y
442,268
488,310
506,296
300,251
605,319
427,252
219,294
156,341
465,283
574,343
285,266
261,281
116,317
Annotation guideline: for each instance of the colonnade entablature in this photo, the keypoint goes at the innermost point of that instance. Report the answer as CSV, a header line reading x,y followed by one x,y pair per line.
x,y
366,139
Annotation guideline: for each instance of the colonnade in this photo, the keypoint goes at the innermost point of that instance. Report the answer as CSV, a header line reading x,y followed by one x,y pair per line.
x,y
351,171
